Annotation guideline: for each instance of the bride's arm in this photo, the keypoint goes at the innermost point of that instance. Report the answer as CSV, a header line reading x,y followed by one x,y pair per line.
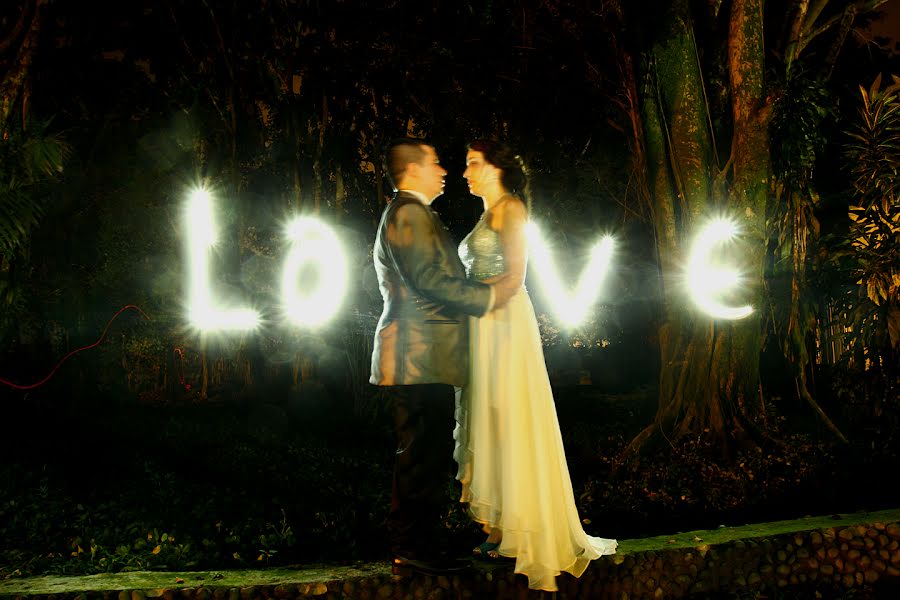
x,y
510,223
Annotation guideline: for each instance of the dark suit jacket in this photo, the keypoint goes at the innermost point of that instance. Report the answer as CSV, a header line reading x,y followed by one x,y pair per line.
x,y
422,336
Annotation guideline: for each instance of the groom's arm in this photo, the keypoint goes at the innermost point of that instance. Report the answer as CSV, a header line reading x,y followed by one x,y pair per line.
x,y
416,250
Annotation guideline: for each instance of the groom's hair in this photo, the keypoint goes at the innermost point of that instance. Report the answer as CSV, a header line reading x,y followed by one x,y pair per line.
x,y
400,152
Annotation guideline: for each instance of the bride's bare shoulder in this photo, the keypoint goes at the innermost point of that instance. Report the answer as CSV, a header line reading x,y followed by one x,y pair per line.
x,y
510,212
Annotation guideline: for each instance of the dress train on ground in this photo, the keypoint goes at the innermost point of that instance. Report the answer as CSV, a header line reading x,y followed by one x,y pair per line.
x,y
512,463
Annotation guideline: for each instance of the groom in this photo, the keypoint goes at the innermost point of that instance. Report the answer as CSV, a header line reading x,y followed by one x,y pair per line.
x,y
421,349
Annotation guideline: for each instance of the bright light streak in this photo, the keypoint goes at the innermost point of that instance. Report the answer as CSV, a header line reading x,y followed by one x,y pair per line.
x,y
201,235
316,245
571,309
706,282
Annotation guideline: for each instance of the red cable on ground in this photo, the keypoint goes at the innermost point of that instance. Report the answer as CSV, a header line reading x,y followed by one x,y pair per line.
x,y
73,352
180,352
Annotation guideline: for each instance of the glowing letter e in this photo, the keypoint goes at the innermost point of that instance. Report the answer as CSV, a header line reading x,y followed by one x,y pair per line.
x,y
201,235
706,282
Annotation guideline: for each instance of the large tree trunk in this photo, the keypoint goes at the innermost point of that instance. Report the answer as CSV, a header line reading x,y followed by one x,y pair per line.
x,y
751,184
15,79
709,380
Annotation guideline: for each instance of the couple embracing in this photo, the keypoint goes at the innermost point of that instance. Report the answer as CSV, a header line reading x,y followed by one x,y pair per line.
x,y
458,331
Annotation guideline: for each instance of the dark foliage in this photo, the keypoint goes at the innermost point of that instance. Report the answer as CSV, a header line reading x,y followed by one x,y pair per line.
x,y
255,484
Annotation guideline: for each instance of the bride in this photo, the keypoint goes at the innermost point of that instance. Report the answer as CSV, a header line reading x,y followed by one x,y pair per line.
x,y
512,464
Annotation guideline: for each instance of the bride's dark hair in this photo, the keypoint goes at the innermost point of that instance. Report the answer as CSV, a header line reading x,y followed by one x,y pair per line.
x,y
515,176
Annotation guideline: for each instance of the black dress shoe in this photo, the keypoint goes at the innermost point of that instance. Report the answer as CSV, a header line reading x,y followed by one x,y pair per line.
x,y
404,566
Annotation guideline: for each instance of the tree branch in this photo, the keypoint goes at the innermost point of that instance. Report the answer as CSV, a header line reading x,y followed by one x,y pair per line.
x,y
220,38
790,51
184,43
863,6
803,391
282,80
817,9
15,78
819,30
869,40
846,23
16,31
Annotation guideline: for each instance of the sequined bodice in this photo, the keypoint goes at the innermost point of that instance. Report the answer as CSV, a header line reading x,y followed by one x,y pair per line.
x,y
482,253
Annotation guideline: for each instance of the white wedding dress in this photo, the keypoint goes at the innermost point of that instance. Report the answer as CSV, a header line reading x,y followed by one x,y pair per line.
x,y
512,464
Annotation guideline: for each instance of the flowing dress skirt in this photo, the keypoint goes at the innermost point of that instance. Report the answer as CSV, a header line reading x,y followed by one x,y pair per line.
x,y
512,464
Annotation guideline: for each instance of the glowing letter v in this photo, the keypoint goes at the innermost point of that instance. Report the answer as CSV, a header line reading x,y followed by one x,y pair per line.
x,y
571,309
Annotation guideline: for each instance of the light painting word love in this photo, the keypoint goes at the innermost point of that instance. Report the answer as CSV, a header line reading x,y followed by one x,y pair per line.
x,y
315,245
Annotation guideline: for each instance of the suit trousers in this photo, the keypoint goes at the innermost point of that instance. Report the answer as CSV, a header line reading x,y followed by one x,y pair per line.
x,y
423,466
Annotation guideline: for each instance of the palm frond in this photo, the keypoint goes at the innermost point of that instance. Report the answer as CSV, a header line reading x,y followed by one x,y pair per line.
x,y
19,213
45,155
28,160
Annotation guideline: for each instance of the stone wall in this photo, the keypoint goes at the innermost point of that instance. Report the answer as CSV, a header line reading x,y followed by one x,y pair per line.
x,y
853,557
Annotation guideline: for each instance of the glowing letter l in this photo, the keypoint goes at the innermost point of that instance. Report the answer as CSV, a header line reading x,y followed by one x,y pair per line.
x,y
201,237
